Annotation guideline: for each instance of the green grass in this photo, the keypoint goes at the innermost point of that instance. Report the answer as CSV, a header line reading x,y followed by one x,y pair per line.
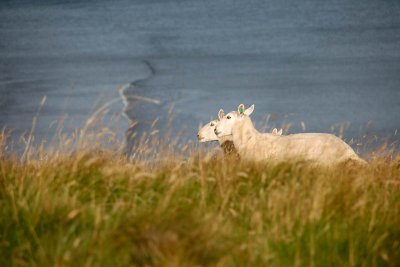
x,y
87,208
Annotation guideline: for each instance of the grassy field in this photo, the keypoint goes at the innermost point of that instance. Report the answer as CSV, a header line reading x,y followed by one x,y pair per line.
x,y
90,206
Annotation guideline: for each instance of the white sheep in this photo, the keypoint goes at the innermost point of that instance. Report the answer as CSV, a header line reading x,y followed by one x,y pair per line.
x,y
207,134
276,132
320,148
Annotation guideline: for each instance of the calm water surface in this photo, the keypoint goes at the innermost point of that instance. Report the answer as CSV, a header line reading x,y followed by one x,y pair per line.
x,y
318,62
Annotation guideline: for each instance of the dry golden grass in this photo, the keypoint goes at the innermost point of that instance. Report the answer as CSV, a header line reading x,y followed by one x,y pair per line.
x,y
79,202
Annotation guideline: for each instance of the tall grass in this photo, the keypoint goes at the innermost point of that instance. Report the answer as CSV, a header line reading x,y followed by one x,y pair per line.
x,y
79,203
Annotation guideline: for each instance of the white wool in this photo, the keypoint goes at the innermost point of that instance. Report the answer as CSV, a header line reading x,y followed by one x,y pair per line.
x,y
321,148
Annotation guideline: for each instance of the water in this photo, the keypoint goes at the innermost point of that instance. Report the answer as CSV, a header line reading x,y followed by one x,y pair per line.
x,y
318,62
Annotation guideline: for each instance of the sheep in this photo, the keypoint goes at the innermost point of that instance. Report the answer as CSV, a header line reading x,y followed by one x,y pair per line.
x,y
207,134
276,132
319,148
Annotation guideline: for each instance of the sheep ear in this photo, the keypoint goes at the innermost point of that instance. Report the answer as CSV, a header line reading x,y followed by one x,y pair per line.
x,y
249,110
220,114
241,109
280,132
275,131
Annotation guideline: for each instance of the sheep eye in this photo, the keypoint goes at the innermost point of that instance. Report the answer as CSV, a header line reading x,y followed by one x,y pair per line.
x,y
212,124
228,117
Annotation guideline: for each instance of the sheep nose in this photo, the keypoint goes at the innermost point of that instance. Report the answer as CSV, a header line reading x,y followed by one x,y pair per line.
x,y
216,131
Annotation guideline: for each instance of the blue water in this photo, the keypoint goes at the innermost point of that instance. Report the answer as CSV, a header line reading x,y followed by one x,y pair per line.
x,y
319,62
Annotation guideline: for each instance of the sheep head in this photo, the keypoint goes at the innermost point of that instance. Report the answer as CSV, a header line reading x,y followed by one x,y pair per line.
x,y
206,133
226,123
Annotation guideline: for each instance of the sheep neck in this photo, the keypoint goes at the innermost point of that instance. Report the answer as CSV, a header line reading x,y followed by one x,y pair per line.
x,y
224,139
229,149
244,133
